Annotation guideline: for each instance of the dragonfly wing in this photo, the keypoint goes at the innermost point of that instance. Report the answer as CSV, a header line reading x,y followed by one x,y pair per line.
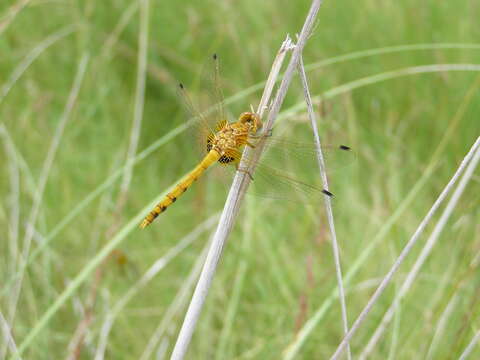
x,y
290,170
279,149
203,123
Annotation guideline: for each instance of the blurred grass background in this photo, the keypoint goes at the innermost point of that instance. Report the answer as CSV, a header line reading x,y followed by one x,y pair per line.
x,y
277,269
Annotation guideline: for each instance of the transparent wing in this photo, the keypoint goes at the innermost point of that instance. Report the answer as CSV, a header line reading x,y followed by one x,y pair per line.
x,y
287,169
290,170
215,87
204,122
198,122
280,151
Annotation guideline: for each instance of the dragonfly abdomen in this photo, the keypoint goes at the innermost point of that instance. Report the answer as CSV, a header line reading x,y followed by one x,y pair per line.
x,y
188,180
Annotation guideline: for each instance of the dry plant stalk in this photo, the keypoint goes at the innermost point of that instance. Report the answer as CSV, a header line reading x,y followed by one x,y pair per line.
x,y
38,196
428,247
328,200
472,157
240,185
77,341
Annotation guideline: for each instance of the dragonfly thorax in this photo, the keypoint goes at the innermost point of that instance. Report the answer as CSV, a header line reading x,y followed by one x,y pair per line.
x,y
231,136
234,135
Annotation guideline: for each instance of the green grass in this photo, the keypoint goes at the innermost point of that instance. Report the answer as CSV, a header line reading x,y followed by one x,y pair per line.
x,y
409,132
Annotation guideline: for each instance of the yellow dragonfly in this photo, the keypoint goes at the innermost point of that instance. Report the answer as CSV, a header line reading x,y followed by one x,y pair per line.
x,y
224,144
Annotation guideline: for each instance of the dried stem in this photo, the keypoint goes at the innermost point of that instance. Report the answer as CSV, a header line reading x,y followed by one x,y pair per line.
x,y
406,250
470,346
42,182
149,275
12,12
239,186
179,302
8,340
328,202
77,342
139,101
432,240
31,57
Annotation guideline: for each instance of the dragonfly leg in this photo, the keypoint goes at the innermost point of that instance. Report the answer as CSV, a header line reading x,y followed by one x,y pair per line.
x,y
244,171
265,135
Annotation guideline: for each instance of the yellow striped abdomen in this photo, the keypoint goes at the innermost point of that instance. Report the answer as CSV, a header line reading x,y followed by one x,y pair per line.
x,y
172,196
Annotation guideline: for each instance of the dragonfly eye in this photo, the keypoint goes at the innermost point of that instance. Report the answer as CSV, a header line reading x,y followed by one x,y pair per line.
x,y
252,119
249,117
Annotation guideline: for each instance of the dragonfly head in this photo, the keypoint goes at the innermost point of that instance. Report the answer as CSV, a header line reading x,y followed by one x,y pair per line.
x,y
252,120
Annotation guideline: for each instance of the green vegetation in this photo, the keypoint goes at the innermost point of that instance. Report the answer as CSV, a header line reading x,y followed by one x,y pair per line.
x,y
70,87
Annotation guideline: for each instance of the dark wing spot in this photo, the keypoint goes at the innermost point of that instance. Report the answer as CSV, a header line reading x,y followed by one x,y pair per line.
x,y
345,147
210,141
326,192
214,56
180,85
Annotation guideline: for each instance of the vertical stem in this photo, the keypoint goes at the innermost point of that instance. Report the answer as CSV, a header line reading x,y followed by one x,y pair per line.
x,y
328,201
473,153
240,184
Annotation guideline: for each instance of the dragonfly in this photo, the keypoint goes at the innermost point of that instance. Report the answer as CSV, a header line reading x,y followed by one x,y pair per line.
x,y
224,144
